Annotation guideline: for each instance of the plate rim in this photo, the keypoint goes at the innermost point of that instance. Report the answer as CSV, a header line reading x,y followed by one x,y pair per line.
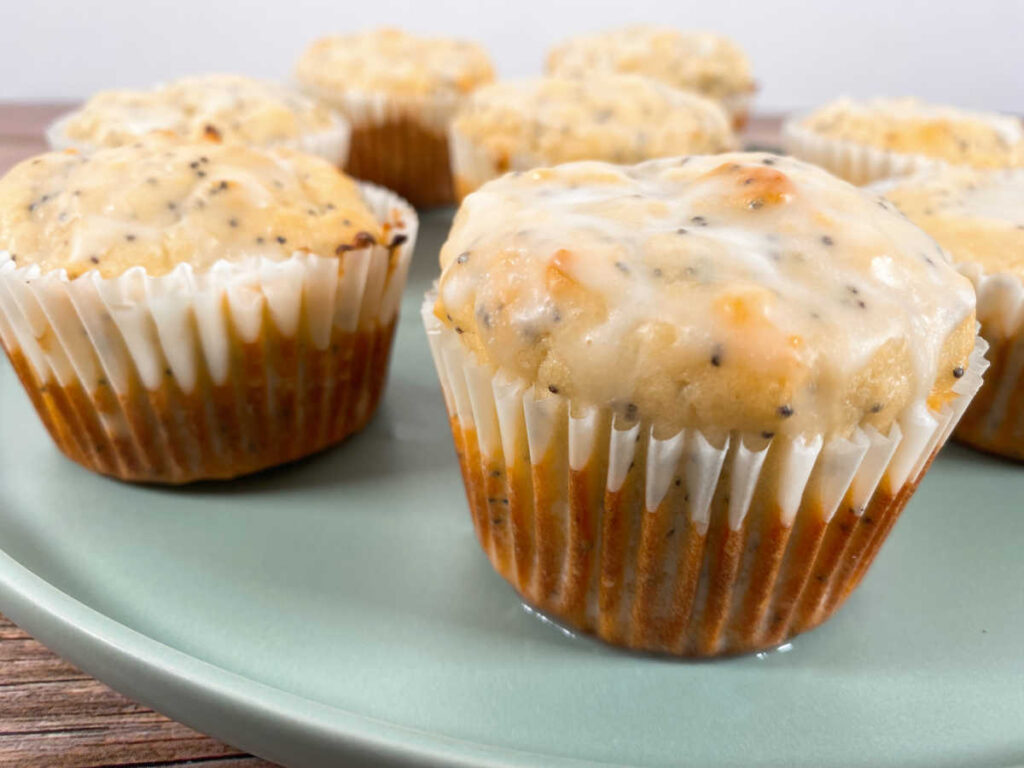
x,y
97,643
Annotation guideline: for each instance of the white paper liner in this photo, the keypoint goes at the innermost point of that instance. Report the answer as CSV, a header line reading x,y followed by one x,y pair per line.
x,y
473,165
996,419
399,141
857,163
1000,299
737,105
806,472
433,111
331,144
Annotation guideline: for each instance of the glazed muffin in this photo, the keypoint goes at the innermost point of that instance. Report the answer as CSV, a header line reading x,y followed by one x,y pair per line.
x,y
182,310
701,62
691,397
863,141
228,108
978,217
518,125
399,92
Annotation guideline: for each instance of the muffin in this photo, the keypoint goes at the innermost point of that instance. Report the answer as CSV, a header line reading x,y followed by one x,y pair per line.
x,y
400,93
978,217
519,125
691,397
228,108
182,310
701,62
863,141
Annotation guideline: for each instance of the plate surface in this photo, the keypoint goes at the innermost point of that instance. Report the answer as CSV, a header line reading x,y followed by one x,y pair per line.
x,y
340,610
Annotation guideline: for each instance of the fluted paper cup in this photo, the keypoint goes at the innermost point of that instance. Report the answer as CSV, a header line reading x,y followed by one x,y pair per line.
x,y
737,106
857,163
331,144
400,143
212,374
994,421
686,544
473,164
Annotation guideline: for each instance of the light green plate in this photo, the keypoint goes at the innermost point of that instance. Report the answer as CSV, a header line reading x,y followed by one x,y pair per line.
x,y
339,612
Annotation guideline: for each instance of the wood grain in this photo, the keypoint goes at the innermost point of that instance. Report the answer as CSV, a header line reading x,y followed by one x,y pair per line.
x,y
52,714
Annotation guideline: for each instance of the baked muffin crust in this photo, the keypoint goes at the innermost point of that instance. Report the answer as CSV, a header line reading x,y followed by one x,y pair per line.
x,y
162,202
740,292
979,139
709,64
977,216
394,62
231,108
619,118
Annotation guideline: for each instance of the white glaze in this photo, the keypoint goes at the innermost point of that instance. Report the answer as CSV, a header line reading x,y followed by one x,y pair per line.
x,y
613,233
979,217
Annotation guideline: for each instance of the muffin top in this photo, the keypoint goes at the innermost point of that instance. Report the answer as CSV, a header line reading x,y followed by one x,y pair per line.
x,y
730,292
395,62
695,61
978,216
227,107
162,202
620,118
980,139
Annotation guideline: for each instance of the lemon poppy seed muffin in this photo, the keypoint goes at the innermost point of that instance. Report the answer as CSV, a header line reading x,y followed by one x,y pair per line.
x,y
701,62
863,141
978,217
400,92
523,124
220,107
679,389
184,310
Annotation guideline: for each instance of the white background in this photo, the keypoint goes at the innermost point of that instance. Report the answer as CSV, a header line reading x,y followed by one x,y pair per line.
x,y
964,52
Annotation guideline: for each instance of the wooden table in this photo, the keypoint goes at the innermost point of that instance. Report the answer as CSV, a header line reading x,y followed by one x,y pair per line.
x,y
51,714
